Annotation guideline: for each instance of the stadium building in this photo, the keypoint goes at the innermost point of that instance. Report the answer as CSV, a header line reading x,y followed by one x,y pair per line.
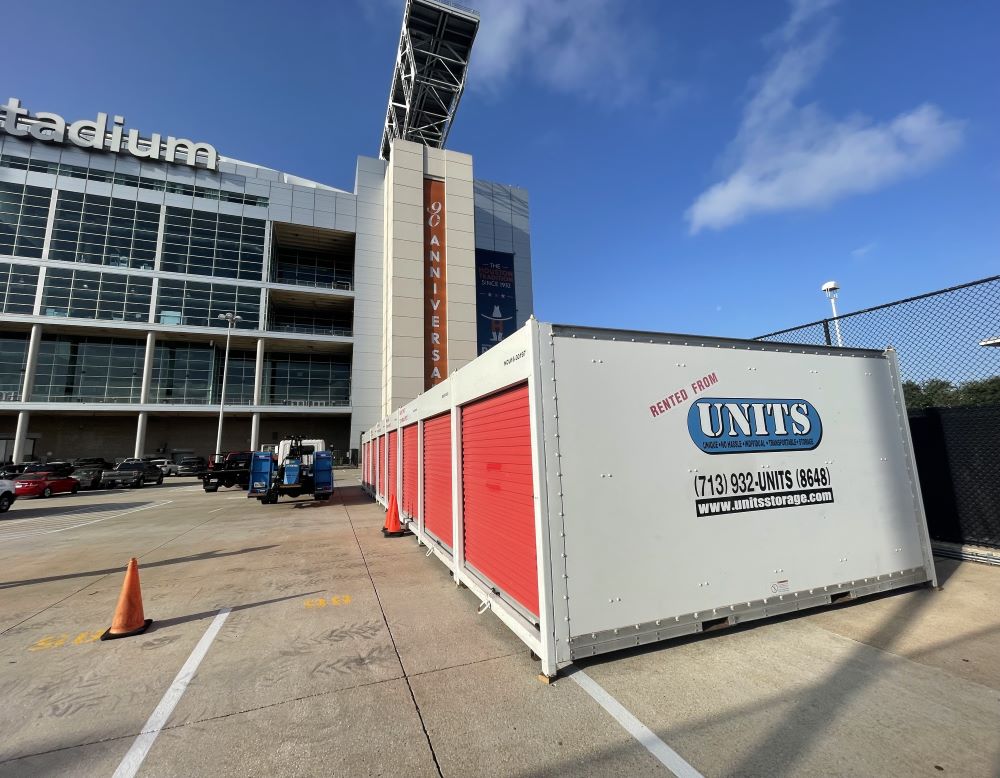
x,y
122,251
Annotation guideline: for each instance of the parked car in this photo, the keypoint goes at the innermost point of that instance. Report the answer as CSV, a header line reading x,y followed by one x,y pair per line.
x,y
42,484
133,473
191,466
100,462
8,494
57,469
10,470
89,476
167,466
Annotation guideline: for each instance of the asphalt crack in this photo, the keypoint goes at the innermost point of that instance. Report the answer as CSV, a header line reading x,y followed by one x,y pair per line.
x,y
392,639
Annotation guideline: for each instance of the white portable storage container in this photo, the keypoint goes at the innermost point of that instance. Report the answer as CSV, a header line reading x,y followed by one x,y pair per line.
x,y
600,489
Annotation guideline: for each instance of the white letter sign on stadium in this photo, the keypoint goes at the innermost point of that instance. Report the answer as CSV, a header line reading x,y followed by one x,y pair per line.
x,y
87,134
435,286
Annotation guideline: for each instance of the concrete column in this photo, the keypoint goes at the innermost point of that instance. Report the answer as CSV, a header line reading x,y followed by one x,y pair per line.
x,y
258,394
39,291
140,434
255,432
159,237
20,437
31,363
49,225
147,378
147,367
265,268
258,373
30,366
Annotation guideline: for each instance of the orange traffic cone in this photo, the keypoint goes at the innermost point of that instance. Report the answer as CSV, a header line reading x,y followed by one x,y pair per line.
x,y
128,619
392,528
385,524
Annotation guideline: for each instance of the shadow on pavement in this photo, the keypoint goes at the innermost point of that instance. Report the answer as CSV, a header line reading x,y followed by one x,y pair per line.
x,y
203,556
946,568
352,495
815,706
171,484
62,510
163,623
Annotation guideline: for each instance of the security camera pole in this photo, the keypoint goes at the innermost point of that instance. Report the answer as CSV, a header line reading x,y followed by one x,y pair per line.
x,y
231,320
832,289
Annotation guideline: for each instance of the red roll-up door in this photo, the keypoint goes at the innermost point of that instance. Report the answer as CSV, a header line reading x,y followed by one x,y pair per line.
x,y
390,468
380,465
410,471
498,493
437,477
364,464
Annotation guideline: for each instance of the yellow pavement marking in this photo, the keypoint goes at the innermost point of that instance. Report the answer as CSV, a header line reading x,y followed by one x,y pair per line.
x,y
49,641
57,641
321,602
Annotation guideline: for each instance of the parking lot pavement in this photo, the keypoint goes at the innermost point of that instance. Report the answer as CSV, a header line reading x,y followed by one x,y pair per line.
x,y
346,653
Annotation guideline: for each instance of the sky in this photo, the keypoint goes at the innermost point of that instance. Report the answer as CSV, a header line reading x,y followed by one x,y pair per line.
x,y
699,167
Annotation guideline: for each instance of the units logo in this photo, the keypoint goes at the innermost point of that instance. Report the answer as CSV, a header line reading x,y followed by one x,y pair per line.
x,y
728,425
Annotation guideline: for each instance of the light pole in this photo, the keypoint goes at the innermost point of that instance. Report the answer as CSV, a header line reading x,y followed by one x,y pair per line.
x,y
832,289
231,320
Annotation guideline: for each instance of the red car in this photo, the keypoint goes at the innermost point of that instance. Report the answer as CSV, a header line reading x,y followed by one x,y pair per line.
x,y
44,485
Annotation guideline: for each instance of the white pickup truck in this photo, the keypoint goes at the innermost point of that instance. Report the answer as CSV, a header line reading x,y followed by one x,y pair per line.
x,y
167,466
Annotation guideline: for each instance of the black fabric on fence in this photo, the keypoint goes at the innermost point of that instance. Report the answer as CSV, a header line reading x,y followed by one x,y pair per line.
x,y
951,384
958,461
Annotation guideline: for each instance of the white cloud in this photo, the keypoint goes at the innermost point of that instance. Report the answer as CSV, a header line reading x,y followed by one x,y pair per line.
x,y
788,156
803,11
593,48
861,251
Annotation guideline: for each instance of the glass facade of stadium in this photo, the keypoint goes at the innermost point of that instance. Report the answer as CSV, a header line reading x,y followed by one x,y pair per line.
x,y
114,271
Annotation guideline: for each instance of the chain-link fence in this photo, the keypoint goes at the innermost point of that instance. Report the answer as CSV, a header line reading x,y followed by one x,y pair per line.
x,y
948,343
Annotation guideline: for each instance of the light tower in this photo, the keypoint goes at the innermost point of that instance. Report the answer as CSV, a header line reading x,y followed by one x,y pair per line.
x,y
231,319
832,289
432,62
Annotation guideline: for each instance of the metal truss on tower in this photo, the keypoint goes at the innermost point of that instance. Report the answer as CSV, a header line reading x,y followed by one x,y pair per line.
x,y
431,66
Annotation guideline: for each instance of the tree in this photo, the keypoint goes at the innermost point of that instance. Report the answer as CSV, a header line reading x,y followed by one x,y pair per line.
x,y
985,392
938,393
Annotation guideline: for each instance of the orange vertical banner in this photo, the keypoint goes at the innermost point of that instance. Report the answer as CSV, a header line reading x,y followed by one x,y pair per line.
x,y
435,286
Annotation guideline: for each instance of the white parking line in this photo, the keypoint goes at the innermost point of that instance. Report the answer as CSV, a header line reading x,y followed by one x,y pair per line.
x,y
144,741
669,758
46,525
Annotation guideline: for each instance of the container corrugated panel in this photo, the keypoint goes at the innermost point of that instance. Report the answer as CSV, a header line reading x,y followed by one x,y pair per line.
x,y
498,496
381,465
437,478
410,470
390,468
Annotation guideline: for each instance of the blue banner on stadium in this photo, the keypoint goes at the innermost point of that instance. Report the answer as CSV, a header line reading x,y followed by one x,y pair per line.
x,y
496,315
